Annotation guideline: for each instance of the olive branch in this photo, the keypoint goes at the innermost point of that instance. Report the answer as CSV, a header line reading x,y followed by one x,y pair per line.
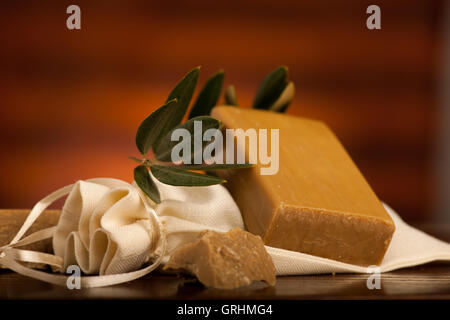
x,y
153,137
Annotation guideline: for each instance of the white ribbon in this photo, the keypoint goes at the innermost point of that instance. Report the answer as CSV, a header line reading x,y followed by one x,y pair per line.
x,y
138,229
10,255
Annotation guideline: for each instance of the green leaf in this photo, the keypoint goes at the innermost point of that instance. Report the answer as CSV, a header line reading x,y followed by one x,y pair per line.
x,y
271,88
209,96
145,182
230,96
154,125
214,166
183,92
179,177
285,99
160,122
164,150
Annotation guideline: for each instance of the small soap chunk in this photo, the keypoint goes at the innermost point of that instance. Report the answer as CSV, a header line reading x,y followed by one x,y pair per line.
x,y
225,261
318,202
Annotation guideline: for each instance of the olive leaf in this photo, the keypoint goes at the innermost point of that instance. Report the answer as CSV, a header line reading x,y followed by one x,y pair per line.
x,y
275,93
230,96
285,99
183,92
209,95
179,177
163,151
145,182
150,130
271,88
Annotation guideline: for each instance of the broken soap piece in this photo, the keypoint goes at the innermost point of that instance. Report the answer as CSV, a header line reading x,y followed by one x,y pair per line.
x,y
318,202
225,261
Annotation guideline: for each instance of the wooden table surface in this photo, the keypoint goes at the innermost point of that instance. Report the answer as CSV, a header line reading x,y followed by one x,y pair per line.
x,y
431,281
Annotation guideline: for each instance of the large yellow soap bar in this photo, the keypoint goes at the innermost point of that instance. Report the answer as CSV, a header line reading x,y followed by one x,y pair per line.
x,y
318,202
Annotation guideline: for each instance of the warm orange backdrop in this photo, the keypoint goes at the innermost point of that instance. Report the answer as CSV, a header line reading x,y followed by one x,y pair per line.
x,y
71,101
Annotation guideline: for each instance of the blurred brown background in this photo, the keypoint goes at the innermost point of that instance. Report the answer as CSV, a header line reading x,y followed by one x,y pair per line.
x,y
71,101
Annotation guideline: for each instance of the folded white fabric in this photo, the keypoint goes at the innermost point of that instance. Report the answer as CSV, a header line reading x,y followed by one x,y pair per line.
x,y
115,233
105,226
186,211
104,229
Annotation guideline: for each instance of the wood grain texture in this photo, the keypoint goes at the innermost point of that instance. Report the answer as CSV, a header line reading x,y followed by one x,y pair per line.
x,y
12,220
